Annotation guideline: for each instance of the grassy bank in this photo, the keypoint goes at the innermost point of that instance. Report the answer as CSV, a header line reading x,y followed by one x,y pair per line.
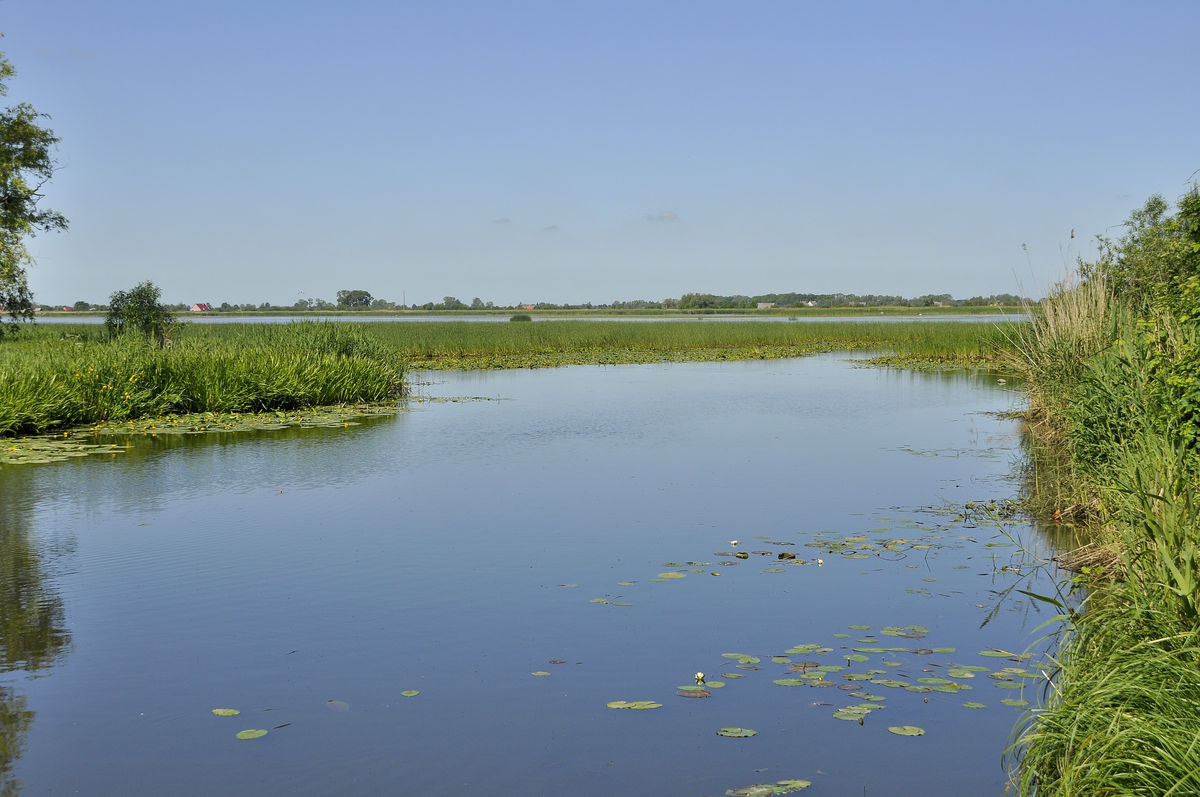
x,y
61,375
53,378
1113,372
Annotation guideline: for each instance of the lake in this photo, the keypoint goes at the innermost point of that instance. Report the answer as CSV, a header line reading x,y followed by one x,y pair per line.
x,y
545,544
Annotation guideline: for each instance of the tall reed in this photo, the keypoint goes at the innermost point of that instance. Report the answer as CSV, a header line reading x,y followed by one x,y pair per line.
x,y
86,377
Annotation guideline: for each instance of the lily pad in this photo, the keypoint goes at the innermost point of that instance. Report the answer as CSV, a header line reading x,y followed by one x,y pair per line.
x,y
251,733
226,712
1015,702
540,673
907,730
337,705
742,658
737,733
410,693
672,574
768,789
974,705
635,705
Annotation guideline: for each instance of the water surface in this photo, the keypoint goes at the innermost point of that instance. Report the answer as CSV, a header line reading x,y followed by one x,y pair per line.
x,y
458,548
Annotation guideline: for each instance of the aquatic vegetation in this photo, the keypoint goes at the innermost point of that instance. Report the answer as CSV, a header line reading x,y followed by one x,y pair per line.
x,y
769,789
251,733
63,379
737,733
906,730
636,705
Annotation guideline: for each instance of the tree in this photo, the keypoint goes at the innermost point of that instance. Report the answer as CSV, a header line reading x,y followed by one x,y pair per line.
x,y
140,310
352,300
25,166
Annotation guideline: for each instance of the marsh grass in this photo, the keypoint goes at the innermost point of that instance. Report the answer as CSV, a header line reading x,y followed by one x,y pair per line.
x,y
51,381
54,377
1114,396
452,345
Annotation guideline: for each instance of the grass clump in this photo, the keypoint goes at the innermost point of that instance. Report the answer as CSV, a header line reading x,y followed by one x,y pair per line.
x,y
49,382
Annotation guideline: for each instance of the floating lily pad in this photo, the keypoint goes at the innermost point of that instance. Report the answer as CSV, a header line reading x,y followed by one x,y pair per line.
x,y
732,675
768,789
859,627
226,712
907,730
791,681
737,733
693,692
251,733
1015,702
1008,685
539,673
742,658
672,574
942,650
625,583
635,705
410,693
781,660
599,600
858,657
714,684
337,705
974,705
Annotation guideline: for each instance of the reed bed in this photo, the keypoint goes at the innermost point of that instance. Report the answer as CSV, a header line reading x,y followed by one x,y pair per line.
x,y
504,345
58,378
1115,400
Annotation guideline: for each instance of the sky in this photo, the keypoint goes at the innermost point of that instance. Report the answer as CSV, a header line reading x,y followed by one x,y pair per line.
x,y
274,150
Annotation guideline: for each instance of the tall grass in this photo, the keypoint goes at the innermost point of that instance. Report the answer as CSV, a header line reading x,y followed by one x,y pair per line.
x,y
462,344
1115,397
81,376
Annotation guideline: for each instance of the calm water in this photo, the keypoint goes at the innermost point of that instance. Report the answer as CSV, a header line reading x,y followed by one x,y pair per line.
x,y
458,548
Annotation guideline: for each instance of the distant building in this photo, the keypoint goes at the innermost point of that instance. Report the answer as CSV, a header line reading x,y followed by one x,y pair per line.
x,y
200,307
766,305
528,306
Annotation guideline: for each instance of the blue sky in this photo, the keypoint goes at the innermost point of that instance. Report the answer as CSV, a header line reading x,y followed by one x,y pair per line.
x,y
269,150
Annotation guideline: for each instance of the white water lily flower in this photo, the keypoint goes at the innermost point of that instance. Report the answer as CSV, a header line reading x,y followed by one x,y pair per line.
x,y
699,677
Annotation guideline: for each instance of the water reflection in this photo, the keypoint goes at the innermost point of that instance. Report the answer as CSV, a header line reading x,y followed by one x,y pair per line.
x,y
33,632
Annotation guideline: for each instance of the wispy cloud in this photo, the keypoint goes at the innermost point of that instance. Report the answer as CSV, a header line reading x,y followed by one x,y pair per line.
x,y
663,215
551,228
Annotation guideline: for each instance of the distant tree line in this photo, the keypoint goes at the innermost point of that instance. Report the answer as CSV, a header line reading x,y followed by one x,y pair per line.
x,y
358,299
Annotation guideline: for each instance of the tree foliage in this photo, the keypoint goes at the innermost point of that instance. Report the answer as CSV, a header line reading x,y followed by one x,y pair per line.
x,y
25,166
140,310
354,300
1156,263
